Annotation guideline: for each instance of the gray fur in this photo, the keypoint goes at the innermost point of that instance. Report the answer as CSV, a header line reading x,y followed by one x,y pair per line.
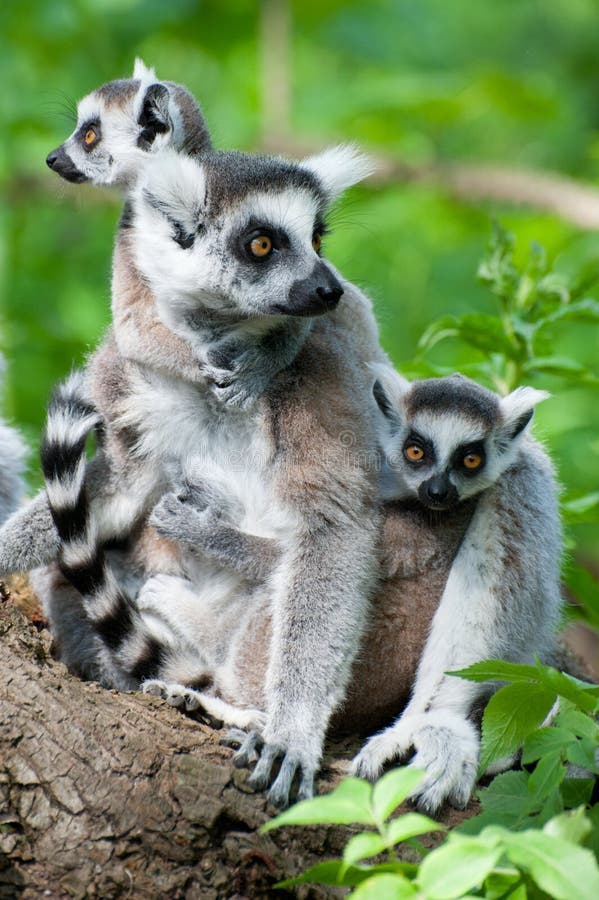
x,y
12,466
502,597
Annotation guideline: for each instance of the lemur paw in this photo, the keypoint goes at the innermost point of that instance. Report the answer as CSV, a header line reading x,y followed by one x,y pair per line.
x,y
173,518
175,694
445,745
291,764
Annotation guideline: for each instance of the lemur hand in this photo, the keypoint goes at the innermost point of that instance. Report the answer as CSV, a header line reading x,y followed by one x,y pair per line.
x,y
238,374
178,520
292,761
446,746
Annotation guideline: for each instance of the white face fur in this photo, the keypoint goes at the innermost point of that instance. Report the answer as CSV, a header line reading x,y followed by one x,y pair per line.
x,y
211,239
107,146
447,439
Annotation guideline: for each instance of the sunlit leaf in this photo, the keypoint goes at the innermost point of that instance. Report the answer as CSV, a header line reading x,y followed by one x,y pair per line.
x,y
393,788
348,803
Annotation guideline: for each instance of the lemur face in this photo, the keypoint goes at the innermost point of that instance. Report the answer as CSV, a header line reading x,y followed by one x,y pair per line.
x,y
239,235
117,125
447,439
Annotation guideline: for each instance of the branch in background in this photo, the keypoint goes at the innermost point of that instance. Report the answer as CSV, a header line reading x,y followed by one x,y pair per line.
x,y
551,192
274,49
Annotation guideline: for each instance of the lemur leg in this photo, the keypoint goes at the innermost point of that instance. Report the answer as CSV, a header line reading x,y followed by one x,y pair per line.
x,y
495,604
251,556
180,695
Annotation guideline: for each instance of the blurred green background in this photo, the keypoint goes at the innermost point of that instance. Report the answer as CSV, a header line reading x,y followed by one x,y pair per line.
x,y
421,82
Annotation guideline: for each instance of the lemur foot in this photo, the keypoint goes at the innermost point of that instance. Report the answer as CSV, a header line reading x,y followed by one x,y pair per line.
x,y
446,746
218,710
267,754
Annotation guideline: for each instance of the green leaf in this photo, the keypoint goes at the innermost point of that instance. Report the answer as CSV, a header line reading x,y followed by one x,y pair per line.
x,y
572,826
582,509
363,846
578,692
497,670
479,330
586,310
577,791
579,723
458,865
585,588
564,870
511,714
583,754
349,803
330,872
546,778
544,741
393,788
410,825
385,887
501,884
558,365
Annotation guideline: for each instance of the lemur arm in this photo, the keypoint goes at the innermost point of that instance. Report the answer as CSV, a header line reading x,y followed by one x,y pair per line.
x,y
205,531
323,584
501,600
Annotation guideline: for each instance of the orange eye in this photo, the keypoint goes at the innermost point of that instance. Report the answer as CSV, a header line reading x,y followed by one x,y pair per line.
x,y
261,246
414,453
90,136
317,242
472,460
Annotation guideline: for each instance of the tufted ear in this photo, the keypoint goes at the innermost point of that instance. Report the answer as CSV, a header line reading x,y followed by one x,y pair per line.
x,y
517,410
154,117
389,390
141,72
338,168
172,188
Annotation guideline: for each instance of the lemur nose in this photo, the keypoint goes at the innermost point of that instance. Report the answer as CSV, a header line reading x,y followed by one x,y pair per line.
x,y
438,492
51,159
330,294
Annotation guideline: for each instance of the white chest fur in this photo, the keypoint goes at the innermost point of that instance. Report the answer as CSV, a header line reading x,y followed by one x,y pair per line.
x,y
184,432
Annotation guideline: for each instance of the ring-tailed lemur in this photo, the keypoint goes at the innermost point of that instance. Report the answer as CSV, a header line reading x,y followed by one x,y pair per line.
x,y
449,442
12,466
250,256
118,126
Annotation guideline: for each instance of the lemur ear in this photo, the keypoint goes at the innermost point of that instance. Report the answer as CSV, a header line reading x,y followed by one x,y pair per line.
x,y
154,117
338,168
143,72
173,188
389,390
517,409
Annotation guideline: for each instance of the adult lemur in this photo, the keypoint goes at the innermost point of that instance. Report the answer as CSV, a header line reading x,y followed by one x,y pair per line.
x,y
233,242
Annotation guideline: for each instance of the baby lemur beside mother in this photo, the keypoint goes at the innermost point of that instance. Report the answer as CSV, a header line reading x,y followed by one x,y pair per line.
x,y
275,526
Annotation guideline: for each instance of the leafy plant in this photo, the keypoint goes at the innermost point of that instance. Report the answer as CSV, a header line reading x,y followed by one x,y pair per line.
x,y
495,863
516,342
536,833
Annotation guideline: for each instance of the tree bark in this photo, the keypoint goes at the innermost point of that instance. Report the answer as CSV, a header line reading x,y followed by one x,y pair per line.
x,y
108,795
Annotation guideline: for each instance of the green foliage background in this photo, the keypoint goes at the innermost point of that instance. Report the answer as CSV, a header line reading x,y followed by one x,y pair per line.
x,y
514,82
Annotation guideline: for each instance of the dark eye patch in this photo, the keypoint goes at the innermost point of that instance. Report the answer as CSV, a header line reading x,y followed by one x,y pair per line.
x,y
416,439
477,448
83,129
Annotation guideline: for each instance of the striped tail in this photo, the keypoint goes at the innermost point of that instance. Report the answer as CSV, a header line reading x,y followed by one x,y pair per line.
x,y
132,648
